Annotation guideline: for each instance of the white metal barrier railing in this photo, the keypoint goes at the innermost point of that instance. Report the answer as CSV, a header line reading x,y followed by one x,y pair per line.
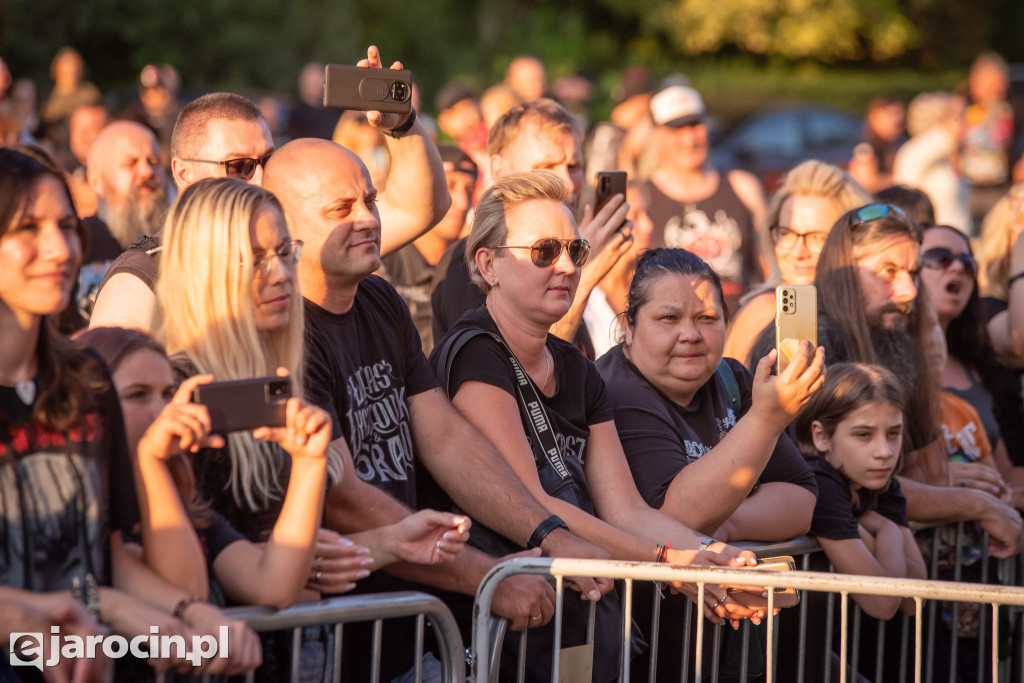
x,y
921,590
374,608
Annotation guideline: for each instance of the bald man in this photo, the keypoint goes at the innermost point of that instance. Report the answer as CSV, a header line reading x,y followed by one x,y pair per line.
x,y
123,170
365,367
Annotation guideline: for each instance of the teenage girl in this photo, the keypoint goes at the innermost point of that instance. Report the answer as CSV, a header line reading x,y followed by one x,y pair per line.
x,y
852,431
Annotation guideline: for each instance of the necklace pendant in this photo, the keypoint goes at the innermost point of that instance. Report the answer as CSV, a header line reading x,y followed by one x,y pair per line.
x,y
26,391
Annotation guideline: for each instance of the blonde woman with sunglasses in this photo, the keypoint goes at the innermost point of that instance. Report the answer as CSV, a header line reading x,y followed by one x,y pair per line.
x,y
525,253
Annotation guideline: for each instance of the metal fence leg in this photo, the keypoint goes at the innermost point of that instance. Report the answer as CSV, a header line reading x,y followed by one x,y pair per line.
x,y
880,649
744,664
296,649
685,645
656,599
556,660
918,629
716,652
904,646
830,621
855,647
336,659
419,648
844,601
521,675
627,629
698,654
378,628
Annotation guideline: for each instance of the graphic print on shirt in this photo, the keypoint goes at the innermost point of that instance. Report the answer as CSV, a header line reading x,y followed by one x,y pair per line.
x,y
378,419
717,241
695,449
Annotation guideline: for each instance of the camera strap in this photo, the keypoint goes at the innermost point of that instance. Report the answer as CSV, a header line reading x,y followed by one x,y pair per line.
x,y
531,408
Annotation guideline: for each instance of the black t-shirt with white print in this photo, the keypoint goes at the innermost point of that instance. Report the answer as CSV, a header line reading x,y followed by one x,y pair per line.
x,y
835,516
661,437
362,366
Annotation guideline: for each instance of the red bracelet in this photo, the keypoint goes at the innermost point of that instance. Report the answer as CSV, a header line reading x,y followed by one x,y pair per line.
x,y
663,552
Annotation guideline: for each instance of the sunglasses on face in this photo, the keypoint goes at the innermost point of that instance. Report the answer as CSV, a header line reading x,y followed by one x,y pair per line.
x,y
546,251
288,254
872,212
242,168
787,239
940,258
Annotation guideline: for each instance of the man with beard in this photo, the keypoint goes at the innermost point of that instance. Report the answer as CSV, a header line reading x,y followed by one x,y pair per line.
x,y
870,312
124,170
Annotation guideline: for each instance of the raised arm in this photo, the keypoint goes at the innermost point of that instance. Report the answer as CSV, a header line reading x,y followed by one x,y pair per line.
x,y
416,195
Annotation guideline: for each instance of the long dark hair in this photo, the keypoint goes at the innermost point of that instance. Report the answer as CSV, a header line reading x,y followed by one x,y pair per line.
x,y
115,345
67,379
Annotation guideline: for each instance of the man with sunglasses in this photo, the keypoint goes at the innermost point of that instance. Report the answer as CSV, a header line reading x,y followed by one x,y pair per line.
x,y
868,305
216,135
366,368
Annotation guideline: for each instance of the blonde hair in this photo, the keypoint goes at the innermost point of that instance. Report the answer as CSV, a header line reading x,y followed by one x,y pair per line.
x,y
205,310
490,226
811,178
996,243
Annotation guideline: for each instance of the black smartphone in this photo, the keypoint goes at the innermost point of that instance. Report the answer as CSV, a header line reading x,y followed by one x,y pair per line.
x,y
244,404
607,185
364,89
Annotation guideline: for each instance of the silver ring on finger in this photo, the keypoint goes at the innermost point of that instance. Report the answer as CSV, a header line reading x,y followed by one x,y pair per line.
x,y
720,602
316,577
319,561
536,618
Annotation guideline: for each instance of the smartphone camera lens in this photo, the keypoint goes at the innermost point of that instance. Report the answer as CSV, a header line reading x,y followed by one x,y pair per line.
x,y
399,91
785,308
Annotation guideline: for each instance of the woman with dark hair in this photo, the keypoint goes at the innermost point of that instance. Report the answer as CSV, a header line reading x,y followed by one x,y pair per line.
x,y
691,423
66,489
949,274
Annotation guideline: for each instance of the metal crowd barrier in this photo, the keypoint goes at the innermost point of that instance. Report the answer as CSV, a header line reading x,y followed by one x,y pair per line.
x,y
364,608
918,634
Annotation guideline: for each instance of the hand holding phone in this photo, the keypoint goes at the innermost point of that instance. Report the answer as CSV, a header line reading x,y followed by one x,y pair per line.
x,y
385,94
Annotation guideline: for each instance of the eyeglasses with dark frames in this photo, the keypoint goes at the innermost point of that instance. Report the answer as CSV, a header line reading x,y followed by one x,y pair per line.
x,y
941,258
787,239
287,253
242,167
546,251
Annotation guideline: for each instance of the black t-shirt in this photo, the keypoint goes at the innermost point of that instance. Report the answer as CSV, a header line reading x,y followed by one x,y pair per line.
x,y
661,437
835,516
62,494
579,401
362,366
139,260
411,275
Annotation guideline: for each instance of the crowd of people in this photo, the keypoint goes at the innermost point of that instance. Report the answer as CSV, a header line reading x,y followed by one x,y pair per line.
x,y
482,365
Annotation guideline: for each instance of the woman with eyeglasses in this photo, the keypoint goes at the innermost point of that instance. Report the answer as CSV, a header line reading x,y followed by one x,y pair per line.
x,y
546,409
800,215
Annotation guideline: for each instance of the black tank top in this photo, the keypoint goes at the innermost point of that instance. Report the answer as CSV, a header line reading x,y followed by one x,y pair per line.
x,y
719,229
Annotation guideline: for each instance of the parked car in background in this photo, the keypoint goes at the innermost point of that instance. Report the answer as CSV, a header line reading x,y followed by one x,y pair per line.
x,y
771,141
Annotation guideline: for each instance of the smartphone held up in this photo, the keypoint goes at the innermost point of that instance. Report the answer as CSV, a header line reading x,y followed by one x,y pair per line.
x,y
245,404
364,89
796,321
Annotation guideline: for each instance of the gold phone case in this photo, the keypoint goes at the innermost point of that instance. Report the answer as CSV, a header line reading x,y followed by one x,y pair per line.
x,y
796,320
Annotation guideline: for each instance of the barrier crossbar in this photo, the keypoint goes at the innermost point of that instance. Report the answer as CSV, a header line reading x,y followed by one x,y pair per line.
x,y
375,608
485,660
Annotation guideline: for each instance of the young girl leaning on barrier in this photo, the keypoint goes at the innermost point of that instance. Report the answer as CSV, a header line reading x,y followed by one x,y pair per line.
x,y
160,417
854,429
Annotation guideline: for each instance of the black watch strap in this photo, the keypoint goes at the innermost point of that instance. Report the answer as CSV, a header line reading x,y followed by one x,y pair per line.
x,y
401,130
543,529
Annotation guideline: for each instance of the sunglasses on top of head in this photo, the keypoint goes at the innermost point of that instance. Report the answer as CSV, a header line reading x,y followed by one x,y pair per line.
x,y
872,212
242,168
940,258
546,251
